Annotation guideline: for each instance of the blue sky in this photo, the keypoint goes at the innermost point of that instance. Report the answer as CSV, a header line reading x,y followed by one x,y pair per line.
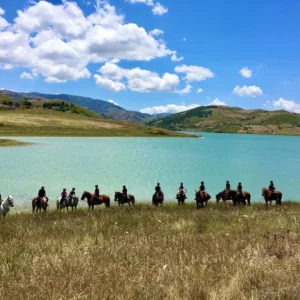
x,y
153,55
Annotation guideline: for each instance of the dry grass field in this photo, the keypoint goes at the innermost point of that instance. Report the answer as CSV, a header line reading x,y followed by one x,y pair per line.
x,y
142,252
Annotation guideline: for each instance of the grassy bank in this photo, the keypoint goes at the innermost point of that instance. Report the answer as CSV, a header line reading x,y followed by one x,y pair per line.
x,y
12,143
172,252
47,122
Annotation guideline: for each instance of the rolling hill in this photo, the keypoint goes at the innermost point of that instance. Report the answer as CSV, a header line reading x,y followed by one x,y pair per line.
x,y
62,118
104,108
232,120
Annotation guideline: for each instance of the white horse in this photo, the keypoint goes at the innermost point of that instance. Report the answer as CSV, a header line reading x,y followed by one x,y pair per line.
x,y
5,205
69,202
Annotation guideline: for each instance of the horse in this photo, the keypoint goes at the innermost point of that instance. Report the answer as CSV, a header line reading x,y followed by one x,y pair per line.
x,y
181,197
92,200
158,198
270,196
42,205
69,202
201,198
121,201
5,205
234,196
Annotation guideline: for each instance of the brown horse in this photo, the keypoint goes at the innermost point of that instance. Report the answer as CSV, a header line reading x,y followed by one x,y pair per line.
x,y
234,196
92,200
42,205
270,196
121,200
158,198
201,198
181,197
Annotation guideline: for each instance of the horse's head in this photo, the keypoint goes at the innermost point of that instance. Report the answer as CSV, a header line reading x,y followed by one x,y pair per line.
x,y
83,195
10,200
117,195
264,191
218,197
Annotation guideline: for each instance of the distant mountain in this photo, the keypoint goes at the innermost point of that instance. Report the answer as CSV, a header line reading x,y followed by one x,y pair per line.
x,y
232,120
104,108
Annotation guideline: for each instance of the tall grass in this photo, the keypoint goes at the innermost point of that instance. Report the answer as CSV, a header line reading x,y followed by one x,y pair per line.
x,y
142,252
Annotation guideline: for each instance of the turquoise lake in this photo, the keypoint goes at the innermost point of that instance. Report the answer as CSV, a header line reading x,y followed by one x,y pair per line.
x,y
140,163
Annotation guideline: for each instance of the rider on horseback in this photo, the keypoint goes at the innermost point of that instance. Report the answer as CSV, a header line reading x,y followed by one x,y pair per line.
x,y
72,193
227,188
158,191
271,187
240,190
41,195
64,196
97,192
180,190
202,187
124,192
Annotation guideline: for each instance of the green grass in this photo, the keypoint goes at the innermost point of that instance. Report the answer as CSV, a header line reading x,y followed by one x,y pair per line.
x,y
143,252
12,143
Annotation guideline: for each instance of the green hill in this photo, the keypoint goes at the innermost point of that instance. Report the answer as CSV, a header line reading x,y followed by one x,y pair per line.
x,y
62,118
232,120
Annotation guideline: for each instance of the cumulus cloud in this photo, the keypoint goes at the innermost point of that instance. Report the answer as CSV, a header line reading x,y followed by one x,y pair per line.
x,y
170,108
139,80
245,72
288,105
2,11
217,102
194,73
185,90
175,58
156,32
159,9
26,75
199,91
248,91
113,102
60,41
114,86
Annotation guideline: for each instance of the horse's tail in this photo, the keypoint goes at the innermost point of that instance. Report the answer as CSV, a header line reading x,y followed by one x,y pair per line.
x,y
133,200
107,201
57,204
33,204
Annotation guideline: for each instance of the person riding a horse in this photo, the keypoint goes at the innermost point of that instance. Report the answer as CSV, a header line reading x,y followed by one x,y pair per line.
x,y
271,187
64,196
158,191
227,188
41,195
72,193
202,187
124,192
240,190
97,192
181,190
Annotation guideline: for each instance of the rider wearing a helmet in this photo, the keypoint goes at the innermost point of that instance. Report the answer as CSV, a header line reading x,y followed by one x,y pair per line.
x,y
180,190
271,186
202,187
72,193
124,192
97,192
41,195
158,191
64,196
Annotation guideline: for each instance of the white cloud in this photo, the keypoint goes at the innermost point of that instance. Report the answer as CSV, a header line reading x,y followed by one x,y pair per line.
x,y
170,108
113,102
140,80
159,9
2,11
194,73
185,90
3,22
245,72
156,32
26,75
248,91
60,41
288,105
199,91
175,58
109,84
217,102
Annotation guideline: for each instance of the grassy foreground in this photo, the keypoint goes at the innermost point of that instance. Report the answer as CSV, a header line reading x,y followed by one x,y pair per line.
x,y
12,143
143,252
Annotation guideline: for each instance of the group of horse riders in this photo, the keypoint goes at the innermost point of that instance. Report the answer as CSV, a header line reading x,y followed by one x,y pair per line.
x,y
158,191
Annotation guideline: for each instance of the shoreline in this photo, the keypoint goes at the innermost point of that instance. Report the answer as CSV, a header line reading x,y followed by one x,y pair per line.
x,y
13,143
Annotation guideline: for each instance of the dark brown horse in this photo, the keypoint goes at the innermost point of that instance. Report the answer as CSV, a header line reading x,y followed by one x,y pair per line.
x,y
181,196
43,204
92,200
123,200
271,196
201,198
234,196
158,198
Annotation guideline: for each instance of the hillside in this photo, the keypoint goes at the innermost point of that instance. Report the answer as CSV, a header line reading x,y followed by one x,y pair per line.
x,y
232,120
104,108
62,118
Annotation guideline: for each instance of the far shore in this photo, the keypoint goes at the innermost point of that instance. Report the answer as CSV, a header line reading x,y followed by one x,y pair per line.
x,y
13,143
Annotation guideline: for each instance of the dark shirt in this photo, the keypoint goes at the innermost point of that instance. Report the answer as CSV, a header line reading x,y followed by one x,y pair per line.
x,y
157,188
97,192
202,187
124,191
239,188
227,186
271,187
72,194
42,193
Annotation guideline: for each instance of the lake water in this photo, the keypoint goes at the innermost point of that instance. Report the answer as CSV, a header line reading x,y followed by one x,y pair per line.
x,y
140,163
